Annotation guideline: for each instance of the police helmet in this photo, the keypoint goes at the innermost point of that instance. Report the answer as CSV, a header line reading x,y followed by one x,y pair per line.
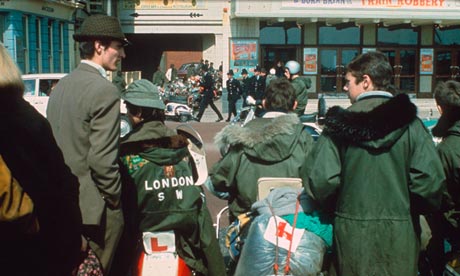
x,y
293,67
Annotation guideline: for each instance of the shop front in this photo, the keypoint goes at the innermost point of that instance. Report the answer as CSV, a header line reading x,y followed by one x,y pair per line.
x,y
420,38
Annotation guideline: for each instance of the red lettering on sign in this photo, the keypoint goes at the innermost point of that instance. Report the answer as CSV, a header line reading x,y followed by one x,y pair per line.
x,y
156,247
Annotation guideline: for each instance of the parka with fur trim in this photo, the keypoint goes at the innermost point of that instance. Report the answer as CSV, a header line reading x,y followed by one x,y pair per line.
x,y
265,147
375,166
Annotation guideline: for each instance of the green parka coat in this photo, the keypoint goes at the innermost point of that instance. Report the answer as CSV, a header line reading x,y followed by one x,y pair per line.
x,y
449,151
376,167
265,147
159,164
301,85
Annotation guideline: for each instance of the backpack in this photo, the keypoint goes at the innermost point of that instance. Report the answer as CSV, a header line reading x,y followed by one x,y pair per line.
x,y
16,207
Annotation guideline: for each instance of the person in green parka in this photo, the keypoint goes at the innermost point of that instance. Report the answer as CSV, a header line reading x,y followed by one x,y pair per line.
x,y
376,169
444,225
160,167
301,85
274,145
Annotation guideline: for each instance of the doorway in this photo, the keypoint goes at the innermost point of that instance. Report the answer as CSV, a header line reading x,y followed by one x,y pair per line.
x,y
405,64
333,62
271,55
447,65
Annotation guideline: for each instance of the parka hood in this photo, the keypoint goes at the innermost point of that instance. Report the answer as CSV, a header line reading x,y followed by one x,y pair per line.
x,y
372,122
154,141
448,123
269,139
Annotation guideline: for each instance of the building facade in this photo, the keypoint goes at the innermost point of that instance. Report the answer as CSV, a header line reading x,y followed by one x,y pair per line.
x,y
420,37
38,34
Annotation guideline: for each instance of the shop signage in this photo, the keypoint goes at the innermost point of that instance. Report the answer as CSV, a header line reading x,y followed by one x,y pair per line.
x,y
426,61
243,55
370,3
310,61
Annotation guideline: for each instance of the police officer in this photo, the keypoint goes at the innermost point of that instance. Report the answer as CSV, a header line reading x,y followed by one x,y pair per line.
x,y
257,87
207,84
234,91
245,84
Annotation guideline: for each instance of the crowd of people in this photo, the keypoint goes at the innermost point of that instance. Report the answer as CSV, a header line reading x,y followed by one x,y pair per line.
x,y
374,170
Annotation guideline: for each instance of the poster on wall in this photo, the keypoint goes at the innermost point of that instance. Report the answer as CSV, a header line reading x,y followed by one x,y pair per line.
x,y
244,54
426,61
310,61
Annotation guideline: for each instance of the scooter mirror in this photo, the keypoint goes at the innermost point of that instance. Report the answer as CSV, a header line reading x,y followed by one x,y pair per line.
x,y
196,149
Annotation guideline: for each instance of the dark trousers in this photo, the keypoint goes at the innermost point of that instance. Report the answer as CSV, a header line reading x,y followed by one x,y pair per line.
x,y
205,101
231,108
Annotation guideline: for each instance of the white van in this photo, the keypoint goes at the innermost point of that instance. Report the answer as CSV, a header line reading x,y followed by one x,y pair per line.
x,y
38,88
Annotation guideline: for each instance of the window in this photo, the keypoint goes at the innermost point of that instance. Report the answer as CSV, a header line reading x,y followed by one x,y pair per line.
x,y
2,26
280,35
335,35
61,47
25,26
38,42
397,36
447,37
50,45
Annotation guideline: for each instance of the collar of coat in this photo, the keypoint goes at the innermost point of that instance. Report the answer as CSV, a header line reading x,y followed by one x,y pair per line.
x,y
151,134
352,126
257,131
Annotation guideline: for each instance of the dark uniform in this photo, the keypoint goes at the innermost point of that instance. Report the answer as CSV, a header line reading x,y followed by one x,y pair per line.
x,y
245,84
257,87
234,91
207,84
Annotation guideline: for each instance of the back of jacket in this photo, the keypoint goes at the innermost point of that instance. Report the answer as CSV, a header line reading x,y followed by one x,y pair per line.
x,y
29,149
265,147
84,114
167,198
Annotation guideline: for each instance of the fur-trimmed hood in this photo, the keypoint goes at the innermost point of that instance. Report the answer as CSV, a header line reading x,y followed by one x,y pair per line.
x,y
270,139
373,122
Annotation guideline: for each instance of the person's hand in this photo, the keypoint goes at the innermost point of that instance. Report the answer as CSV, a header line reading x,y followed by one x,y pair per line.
x,y
250,100
84,244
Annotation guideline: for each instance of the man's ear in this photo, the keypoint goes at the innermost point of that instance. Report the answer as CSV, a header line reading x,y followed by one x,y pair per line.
x,y
295,105
368,85
439,109
263,104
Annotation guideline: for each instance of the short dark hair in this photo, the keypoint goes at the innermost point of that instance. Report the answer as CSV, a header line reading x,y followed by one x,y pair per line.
x,y
280,95
87,48
447,94
376,66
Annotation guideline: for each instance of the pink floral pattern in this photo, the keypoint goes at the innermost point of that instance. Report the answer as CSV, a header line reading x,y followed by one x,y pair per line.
x,y
91,266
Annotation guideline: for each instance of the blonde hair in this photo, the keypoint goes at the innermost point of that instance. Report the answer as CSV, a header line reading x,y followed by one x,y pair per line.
x,y
10,75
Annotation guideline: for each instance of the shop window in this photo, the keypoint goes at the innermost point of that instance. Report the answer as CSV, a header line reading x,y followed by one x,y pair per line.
x,y
447,36
335,35
280,35
397,36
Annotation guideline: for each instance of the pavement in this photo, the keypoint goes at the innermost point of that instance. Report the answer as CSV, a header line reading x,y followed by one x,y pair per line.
x,y
426,107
